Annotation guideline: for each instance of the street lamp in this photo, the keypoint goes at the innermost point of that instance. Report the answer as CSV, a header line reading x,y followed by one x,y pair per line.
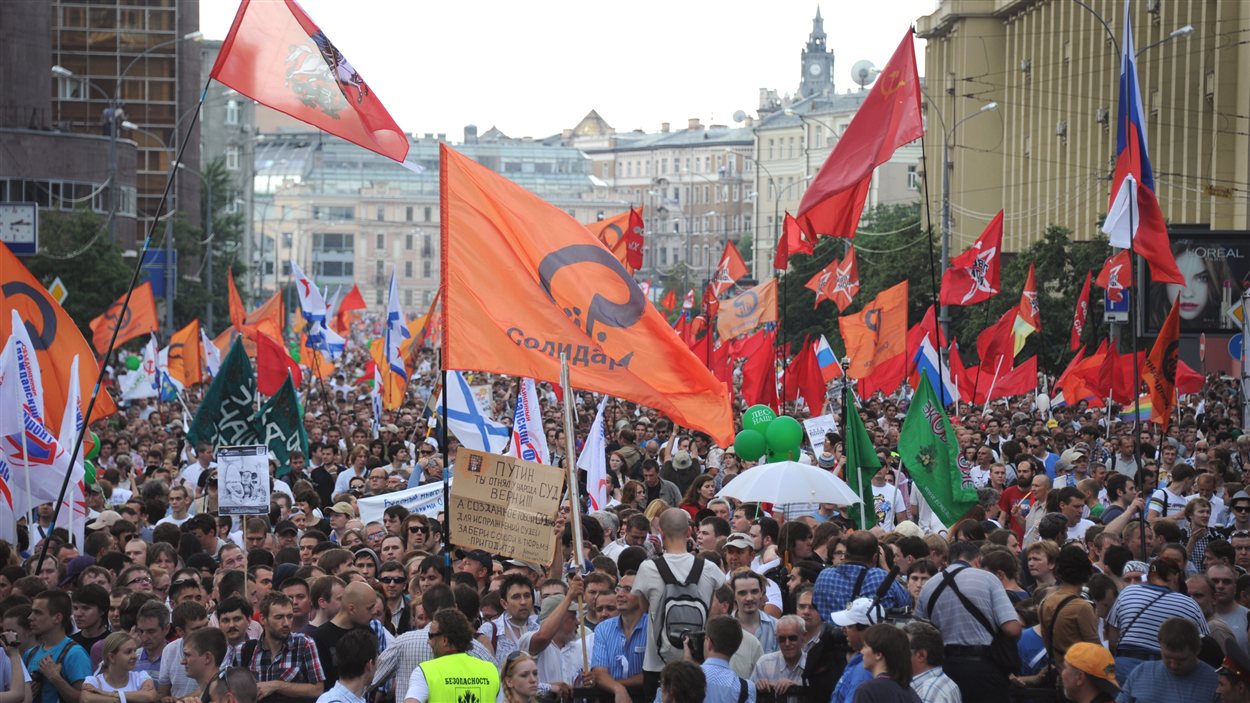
x,y
758,191
208,242
947,136
169,228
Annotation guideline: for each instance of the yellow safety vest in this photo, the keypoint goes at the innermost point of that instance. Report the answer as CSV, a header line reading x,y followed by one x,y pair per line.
x,y
460,678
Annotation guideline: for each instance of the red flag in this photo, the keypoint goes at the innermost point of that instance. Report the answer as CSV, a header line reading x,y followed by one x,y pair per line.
x,y
622,235
1011,380
888,118
669,301
809,382
275,55
343,316
722,366
273,364
1028,315
710,303
1188,380
996,341
1160,368
759,373
793,241
974,275
839,281
731,268
1116,276
688,303
238,314
1081,316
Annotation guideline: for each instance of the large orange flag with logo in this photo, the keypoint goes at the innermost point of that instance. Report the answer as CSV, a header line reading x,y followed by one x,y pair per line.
x,y
524,282
140,319
55,337
746,311
877,333
186,356
1160,371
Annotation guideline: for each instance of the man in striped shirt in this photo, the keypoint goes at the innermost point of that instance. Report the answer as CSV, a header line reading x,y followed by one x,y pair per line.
x,y
928,680
1134,620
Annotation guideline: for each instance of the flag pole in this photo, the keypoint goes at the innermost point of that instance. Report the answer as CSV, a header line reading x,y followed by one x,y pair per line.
x,y
933,286
977,383
993,382
575,509
134,279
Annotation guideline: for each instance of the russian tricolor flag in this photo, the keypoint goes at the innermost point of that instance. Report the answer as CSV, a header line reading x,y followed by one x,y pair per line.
x,y
829,366
928,363
1134,219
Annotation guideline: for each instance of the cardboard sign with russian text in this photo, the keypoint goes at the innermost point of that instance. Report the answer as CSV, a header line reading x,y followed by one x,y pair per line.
x,y
504,505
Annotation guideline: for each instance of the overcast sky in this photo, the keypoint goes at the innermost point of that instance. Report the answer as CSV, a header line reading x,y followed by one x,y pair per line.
x,y
534,68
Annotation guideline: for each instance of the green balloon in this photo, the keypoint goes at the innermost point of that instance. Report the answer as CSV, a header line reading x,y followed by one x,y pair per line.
x,y
757,417
133,362
88,473
95,447
295,355
784,435
750,445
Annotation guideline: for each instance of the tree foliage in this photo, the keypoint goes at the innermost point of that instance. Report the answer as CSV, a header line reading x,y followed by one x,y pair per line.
x,y
76,247
228,228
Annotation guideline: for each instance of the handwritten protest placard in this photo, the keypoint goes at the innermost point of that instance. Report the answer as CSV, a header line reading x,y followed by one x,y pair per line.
x,y
505,505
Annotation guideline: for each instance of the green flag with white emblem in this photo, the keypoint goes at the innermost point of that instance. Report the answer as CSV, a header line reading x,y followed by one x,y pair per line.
x,y
930,452
224,416
861,465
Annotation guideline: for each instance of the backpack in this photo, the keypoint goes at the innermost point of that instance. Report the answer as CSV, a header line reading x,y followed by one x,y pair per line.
x,y
682,610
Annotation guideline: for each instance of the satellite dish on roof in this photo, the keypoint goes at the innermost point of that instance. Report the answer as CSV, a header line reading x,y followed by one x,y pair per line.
x,y
863,73
739,116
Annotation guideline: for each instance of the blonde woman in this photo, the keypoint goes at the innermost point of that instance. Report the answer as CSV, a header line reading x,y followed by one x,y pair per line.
x,y
518,682
116,679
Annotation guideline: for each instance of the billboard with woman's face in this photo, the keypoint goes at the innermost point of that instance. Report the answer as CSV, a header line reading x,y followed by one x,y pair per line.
x,y
1216,270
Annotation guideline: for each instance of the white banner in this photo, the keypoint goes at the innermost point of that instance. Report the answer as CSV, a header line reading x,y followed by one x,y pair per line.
x,y
816,428
427,500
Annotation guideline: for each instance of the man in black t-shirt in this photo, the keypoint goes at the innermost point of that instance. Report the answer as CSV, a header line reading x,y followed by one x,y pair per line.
x,y
358,600
91,615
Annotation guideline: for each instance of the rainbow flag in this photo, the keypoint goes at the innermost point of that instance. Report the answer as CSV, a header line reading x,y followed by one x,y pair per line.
x,y
1126,412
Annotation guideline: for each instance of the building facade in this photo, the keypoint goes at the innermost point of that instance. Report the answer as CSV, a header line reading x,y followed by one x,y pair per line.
x,y
1047,153
348,216
143,57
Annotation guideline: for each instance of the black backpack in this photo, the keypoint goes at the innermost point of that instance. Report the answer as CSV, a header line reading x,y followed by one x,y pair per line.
x,y
682,610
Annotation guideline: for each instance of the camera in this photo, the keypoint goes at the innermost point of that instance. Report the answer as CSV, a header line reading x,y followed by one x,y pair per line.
x,y
695,639
9,639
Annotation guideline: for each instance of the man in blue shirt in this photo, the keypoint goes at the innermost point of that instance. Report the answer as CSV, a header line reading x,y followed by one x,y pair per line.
x,y
620,644
724,636
1179,675
57,665
855,619
837,586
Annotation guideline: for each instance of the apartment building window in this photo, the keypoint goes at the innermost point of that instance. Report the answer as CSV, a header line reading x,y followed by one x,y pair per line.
x,y
408,242
379,273
232,158
408,214
427,246
663,256
378,297
913,178
408,297
381,244
287,237
429,297
232,112
381,214
407,269
427,270
663,165
427,214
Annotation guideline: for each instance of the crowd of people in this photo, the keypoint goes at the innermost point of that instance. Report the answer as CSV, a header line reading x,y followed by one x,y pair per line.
x,y
1105,561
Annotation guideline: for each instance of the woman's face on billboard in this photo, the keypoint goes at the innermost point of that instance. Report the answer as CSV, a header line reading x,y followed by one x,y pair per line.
x,y
1197,291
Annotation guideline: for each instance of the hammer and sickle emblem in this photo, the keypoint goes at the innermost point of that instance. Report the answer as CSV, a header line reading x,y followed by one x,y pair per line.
x,y
41,339
600,310
894,81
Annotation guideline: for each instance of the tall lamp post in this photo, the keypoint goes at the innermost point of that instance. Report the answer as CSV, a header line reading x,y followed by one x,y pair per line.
x,y
170,269
208,242
758,192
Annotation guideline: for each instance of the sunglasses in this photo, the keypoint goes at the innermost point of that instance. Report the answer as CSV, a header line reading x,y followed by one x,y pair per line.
x,y
418,530
391,579
141,579
787,638
377,535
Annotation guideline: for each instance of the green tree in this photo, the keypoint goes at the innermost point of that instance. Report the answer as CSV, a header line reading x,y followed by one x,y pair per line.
x,y
192,244
76,247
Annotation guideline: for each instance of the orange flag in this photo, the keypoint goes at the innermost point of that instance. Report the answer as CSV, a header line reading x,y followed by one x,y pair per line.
x,y
186,356
524,282
238,314
622,235
56,339
140,319
268,318
730,269
746,311
877,333
314,360
392,384
1160,371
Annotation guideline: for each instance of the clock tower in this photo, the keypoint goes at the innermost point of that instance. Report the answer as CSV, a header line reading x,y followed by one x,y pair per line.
x,y
817,79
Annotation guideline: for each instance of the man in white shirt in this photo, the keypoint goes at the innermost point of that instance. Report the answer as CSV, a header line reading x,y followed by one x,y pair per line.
x,y
1170,501
1072,505
179,506
555,645
190,474
887,500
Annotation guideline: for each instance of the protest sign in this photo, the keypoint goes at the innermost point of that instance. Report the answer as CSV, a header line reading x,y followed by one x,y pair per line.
x,y
426,500
816,427
243,480
505,505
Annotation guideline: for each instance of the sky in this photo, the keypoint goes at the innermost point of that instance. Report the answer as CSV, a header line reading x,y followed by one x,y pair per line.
x,y
534,68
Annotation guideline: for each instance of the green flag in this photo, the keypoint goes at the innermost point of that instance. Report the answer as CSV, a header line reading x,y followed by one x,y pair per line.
x,y
930,452
861,465
280,425
224,416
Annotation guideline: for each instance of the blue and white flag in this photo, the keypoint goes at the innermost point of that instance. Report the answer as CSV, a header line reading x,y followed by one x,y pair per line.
x,y
375,399
396,331
466,419
313,304
928,362
529,442
212,355
594,461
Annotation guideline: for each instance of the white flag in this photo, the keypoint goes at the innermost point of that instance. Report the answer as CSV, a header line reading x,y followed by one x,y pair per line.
x,y
396,331
73,512
466,419
212,355
529,441
143,381
375,398
594,461
1123,218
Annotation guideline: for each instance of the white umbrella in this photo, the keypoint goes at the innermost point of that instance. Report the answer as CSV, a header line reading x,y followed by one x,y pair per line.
x,y
789,482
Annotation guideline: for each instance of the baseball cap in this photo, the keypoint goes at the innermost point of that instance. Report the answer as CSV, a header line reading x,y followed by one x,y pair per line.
x,y
861,611
344,508
682,460
1096,662
482,557
740,540
550,603
285,527
105,519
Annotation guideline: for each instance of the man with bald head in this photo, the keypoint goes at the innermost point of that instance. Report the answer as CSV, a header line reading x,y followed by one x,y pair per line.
x,y
679,564
354,613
